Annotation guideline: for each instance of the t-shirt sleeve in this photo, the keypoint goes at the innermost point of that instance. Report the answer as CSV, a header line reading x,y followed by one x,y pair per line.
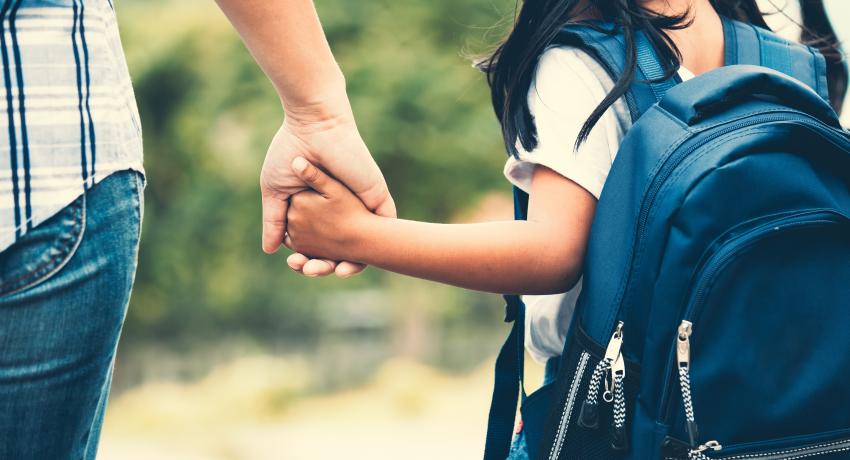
x,y
567,88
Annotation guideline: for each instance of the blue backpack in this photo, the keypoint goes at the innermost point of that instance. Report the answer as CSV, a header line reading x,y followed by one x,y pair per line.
x,y
714,319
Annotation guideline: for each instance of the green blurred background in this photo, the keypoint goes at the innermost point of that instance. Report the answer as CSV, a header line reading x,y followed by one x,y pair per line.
x,y
226,354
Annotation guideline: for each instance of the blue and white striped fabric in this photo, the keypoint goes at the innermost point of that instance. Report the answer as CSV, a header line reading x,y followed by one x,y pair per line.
x,y
68,115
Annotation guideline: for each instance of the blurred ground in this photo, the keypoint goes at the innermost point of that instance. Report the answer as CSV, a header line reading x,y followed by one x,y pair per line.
x,y
246,410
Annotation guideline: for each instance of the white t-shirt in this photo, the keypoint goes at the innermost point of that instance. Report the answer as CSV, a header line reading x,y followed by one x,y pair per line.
x,y
568,86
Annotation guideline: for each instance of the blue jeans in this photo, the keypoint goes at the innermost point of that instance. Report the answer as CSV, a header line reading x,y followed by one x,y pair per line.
x,y
519,448
64,289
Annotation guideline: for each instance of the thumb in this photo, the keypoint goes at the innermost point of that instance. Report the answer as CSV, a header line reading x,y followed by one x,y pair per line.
x,y
275,206
314,177
387,207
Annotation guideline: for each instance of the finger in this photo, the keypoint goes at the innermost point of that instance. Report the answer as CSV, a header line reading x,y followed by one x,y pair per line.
x,y
297,261
377,198
274,221
315,178
318,267
287,241
387,207
347,269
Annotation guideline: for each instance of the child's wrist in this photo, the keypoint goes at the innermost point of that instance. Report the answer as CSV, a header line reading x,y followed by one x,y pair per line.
x,y
358,242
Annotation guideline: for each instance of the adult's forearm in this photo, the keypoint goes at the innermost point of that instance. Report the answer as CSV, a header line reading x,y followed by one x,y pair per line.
x,y
287,41
517,257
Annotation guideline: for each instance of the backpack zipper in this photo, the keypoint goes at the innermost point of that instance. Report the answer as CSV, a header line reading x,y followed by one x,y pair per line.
x,y
611,370
564,422
683,357
589,414
796,453
619,437
814,450
708,271
672,161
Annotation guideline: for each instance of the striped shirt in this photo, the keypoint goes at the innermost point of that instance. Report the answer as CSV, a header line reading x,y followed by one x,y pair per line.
x,y
68,115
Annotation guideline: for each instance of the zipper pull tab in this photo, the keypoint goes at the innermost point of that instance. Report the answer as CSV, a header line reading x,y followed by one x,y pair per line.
x,y
712,445
589,412
620,440
612,354
683,357
615,344
699,452
683,344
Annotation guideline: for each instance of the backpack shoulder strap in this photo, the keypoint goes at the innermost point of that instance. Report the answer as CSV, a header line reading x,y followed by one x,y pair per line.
x,y
510,367
605,43
749,44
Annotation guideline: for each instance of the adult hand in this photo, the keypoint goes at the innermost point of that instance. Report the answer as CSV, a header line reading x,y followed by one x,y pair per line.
x,y
328,220
325,134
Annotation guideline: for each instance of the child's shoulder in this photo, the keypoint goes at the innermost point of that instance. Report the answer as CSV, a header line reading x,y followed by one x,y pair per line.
x,y
571,72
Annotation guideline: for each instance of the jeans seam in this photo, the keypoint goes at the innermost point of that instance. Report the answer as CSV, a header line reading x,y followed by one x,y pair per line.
x,y
48,269
139,182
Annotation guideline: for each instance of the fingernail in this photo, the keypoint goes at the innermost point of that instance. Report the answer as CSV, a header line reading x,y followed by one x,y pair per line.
x,y
299,164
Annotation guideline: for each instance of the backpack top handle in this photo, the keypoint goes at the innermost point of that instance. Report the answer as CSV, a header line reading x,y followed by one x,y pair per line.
x,y
724,87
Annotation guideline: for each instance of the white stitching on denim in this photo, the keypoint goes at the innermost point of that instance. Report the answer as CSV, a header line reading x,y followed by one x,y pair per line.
x,y
65,262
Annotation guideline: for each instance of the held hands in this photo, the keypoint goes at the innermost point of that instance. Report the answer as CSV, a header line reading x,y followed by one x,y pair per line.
x,y
325,221
325,135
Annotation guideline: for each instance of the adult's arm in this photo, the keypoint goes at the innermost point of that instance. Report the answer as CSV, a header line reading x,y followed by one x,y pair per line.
x,y
287,41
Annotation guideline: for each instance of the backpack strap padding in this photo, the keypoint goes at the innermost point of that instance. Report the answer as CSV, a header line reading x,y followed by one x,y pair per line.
x,y
749,44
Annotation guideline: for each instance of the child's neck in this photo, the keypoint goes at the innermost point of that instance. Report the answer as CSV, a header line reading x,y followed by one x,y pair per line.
x,y
701,44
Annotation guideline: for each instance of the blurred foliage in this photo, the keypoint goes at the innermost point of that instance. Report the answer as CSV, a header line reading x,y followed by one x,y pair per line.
x,y
208,114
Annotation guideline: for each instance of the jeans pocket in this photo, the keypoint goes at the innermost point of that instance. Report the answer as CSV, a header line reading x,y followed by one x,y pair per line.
x,y
44,250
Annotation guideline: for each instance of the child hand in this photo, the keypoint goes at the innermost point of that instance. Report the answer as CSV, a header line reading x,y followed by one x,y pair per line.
x,y
325,221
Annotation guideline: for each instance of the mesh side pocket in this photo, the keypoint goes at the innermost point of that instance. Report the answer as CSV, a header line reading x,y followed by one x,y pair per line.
x,y
571,440
582,443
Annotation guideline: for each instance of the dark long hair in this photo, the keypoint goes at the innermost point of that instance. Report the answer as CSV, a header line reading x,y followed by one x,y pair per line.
x,y
510,68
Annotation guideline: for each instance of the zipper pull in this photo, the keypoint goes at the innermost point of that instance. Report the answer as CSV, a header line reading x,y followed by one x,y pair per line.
x,y
615,344
713,445
612,354
620,440
683,344
699,452
589,413
683,357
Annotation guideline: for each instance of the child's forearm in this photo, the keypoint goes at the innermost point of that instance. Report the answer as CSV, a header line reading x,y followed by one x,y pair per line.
x,y
516,257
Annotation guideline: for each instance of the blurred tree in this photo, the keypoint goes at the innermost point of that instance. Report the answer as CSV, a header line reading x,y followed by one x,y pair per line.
x,y
208,114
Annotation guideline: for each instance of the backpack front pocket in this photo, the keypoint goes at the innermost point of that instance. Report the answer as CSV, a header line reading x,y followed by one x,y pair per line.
x,y
739,373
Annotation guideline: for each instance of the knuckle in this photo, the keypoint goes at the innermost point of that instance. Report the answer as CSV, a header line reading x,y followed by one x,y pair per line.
x,y
294,219
297,200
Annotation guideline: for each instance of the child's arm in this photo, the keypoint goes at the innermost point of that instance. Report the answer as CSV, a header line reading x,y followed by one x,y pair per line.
x,y
540,256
